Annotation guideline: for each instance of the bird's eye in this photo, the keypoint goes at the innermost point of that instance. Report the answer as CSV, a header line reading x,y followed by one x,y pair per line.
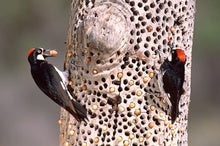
x,y
39,51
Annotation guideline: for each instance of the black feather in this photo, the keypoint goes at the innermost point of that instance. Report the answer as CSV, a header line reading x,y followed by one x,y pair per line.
x,y
50,82
173,79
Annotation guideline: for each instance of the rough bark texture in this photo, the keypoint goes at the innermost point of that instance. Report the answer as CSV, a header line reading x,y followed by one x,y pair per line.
x,y
114,52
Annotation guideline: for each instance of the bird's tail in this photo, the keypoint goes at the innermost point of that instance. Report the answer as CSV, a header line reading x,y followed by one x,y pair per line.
x,y
174,112
81,111
175,107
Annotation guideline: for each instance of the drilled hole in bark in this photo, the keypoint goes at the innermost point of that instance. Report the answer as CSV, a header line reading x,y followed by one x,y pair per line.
x,y
132,3
148,15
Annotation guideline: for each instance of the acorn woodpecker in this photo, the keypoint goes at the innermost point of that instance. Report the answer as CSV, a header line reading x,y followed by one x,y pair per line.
x,y
173,74
53,82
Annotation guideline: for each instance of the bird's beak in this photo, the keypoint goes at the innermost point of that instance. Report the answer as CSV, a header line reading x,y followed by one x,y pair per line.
x,y
50,53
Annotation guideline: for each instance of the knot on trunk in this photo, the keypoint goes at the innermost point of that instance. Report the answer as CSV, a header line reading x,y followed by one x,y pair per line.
x,y
106,29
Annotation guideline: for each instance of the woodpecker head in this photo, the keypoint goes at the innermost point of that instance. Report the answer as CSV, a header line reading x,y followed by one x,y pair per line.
x,y
35,55
177,55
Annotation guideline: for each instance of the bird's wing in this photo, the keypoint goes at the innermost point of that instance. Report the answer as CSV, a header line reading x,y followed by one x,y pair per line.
x,y
53,85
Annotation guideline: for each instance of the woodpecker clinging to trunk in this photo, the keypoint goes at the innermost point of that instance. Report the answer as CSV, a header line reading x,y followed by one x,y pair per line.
x,y
173,74
53,82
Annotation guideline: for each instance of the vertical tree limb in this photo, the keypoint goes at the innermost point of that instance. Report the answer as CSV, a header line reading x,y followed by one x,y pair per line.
x,y
114,52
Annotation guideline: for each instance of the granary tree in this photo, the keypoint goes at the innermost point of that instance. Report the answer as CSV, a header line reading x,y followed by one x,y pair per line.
x,y
115,49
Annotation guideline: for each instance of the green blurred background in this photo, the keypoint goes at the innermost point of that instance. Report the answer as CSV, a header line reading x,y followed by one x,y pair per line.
x,y
28,118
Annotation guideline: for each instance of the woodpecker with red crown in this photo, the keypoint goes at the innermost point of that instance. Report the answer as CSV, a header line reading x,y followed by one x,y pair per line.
x,y
173,76
53,82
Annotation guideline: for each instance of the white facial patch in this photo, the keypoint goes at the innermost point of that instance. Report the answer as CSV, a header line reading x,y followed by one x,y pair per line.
x,y
170,57
40,57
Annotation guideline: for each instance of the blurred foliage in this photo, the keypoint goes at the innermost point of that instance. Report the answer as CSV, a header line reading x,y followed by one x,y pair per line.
x,y
207,22
28,23
28,116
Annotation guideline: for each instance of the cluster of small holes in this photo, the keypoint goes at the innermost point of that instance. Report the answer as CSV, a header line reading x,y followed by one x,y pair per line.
x,y
157,26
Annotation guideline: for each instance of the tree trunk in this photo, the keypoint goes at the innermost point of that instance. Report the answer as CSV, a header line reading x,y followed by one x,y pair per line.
x,y
114,52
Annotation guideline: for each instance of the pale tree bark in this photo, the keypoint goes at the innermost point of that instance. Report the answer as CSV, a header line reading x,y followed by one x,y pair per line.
x,y
114,52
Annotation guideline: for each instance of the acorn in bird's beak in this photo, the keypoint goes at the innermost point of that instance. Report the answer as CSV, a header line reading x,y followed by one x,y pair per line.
x,y
50,53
